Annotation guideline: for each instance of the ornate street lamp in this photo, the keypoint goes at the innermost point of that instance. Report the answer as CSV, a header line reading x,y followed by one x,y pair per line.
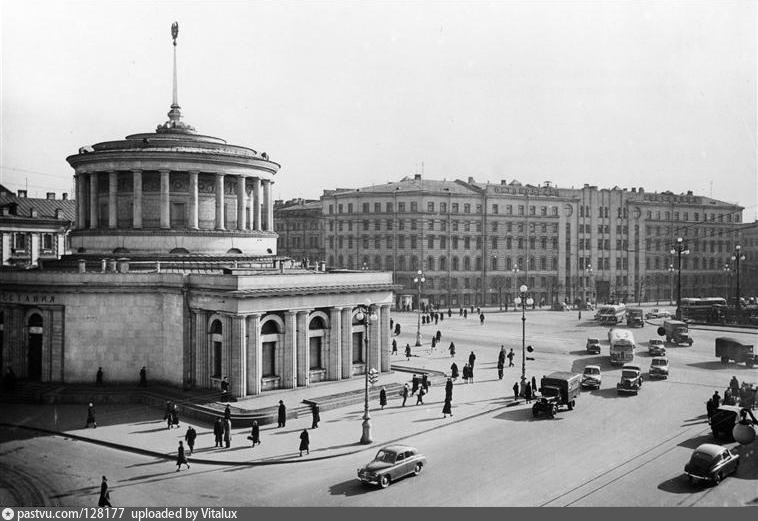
x,y
524,301
418,280
679,249
727,269
737,256
365,314
671,284
515,271
587,274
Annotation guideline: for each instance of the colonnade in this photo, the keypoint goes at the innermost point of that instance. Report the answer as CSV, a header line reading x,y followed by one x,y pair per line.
x,y
255,205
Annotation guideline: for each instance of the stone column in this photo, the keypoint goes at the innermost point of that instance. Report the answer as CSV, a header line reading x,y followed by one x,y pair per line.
x,y
334,353
241,202
257,204
289,365
254,369
165,210
270,207
192,202
238,376
79,179
201,369
249,204
137,195
303,350
347,343
385,338
266,203
93,200
112,190
220,201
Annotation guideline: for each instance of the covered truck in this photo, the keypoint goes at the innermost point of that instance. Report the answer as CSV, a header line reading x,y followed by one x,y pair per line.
x,y
676,332
634,317
728,348
557,389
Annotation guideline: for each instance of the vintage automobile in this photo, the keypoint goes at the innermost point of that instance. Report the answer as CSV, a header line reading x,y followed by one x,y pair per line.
x,y
659,367
656,347
591,378
711,462
631,379
658,313
730,349
593,346
390,464
558,389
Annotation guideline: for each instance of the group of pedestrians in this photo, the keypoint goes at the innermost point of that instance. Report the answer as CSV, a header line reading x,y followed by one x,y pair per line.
x,y
171,415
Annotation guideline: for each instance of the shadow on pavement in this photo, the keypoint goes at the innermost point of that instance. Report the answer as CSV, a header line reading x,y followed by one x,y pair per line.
x,y
352,487
678,485
158,429
519,415
748,468
718,365
695,442
610,392
147,463
603,361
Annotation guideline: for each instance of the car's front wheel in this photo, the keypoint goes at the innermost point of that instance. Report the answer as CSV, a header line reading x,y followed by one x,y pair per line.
x,y
384,481
417,469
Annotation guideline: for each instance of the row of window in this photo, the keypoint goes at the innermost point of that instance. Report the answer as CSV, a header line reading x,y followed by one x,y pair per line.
x,y
401,263
443,208
456,242
712,217
694,246
688,262
22,241
415,224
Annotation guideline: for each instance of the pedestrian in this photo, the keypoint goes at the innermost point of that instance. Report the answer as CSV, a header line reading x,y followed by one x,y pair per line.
x,y
449,389
734,384
143,377
716,400
434,343
465,373
225,389
304,442
438,336
465,313
510,358
105,495
436,318
449,312
405,393
91,417
471,359
316,416
282,414
451,349
460,312
228,433
99,377
447,408
175,416
414,383
392,324
442,317
424,382
515,391
383,397
394,346
580,314
189,437
471,373
227,412
500,365
420,396
218,432
528,392
709,407
397,328
534,386
255,434
167,410
481,319
408,351
181,459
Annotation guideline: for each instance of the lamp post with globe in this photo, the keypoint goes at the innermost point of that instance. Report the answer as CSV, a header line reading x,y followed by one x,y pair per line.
x,y
737,256
418,280
366,314
679,249
524,301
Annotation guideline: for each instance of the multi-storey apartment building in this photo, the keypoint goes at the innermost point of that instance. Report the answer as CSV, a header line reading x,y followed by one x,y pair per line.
x,y
298,223
477,242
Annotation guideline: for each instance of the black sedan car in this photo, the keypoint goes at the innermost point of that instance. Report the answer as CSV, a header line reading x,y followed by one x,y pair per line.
x,y
390,464
711,462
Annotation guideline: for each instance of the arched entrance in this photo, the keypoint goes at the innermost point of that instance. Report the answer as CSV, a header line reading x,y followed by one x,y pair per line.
x,y
34,353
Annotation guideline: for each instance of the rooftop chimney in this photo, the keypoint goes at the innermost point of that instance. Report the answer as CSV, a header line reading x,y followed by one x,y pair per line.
x,y
634,189
689,192
22,194
50,195
417,177
64,196
503,182
470,180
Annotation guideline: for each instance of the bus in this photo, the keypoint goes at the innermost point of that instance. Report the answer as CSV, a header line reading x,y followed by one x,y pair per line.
x,y
707,309
622,346
611,314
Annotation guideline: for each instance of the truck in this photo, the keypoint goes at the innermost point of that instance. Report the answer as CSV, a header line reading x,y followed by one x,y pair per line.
x,y
558,389
728,349
676,332
634,317
622,346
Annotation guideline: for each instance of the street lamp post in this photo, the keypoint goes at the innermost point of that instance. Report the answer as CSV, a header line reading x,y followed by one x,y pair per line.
x,y
515,271
524,301
679,249
366,314
727,269
587,273
737,256
671,284
418,280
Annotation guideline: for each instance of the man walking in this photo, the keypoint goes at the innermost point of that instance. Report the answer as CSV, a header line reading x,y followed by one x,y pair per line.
x,y
383,398
91,417
316,416
528,392
534,386
481,319
255,434
405,393
394,346
716,400
515,391
454,371
471,359
181,459
452,349
420,396
408,352
99,377
510,358
282,415
449,389
305,442
414,383
105,495
218,432
143,377
189,437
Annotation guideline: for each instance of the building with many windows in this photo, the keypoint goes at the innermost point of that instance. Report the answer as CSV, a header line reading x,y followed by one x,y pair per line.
x,y
477,242
298,224
33,230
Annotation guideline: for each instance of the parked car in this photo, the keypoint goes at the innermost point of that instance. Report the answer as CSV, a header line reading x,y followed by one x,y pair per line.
x,y
591,378
593,346
390,464
656,347
711,462
659,367
631,379
658,313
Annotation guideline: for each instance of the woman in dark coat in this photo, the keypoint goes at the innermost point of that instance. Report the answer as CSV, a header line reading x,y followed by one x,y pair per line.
x,y
465,372
454,371
218,432
383,397
282,415
447,408
304,442
255,434
408,351
528,392
425,382
105,496
515,391
316,416
451,349
181,459
434,342
534,385
438,336
449,389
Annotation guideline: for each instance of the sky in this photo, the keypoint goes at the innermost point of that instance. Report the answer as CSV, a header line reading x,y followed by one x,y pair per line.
x,y
346,94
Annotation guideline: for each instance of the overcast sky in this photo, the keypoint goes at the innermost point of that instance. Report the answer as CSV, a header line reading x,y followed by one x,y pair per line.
x,y
344,94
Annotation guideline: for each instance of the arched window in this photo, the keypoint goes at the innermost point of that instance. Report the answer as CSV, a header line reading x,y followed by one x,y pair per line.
x,y
508,263
270,327
454,264
388,264
316,323
377,262
443,264
316,335
401,263
217,348
270,338
430,263
466,264
414,263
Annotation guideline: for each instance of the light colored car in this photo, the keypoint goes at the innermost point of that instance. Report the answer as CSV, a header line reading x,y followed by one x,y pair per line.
x,y
593,346
658,313
591,378
711,462
659,367
390,464
656,347
631,379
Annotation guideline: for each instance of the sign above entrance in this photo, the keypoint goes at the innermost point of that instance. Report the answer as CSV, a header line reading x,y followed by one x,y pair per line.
x,y
23,298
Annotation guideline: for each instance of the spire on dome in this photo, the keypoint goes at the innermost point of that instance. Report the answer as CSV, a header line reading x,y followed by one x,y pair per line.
x,y
175,123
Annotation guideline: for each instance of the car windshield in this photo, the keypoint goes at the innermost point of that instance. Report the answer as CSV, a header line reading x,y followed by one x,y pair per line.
x,y
591,371
629,374
385,456
660,362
